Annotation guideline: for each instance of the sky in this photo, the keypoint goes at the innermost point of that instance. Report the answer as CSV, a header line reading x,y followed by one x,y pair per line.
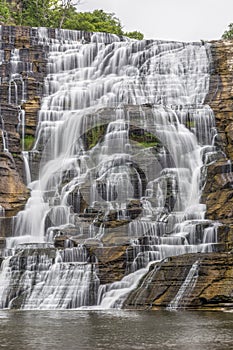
x,y
181,20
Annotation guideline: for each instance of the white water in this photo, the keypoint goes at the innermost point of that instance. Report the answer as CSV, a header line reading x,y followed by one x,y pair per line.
x,y
186,288
96,85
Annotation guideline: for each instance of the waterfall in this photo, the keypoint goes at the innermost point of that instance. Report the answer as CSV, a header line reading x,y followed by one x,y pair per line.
x,y
125,135
186,288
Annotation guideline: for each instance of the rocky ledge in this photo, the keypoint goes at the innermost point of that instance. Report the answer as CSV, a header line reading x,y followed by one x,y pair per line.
x,y
170,284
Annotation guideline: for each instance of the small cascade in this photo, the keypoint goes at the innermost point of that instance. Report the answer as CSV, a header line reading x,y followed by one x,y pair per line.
x,y
154,243
186,288
4,134
16,87
2,211
113,295
5,141
37,277
27,167
16,69
21,125
124,137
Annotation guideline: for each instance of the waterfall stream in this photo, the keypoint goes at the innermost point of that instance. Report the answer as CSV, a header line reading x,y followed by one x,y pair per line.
x,y
186,288
125,136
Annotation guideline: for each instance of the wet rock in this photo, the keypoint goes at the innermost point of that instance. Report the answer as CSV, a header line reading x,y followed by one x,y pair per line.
x,y
20,89
212,288
111,262
218,189
13,192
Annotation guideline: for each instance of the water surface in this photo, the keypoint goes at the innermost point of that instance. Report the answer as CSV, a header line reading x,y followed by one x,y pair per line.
x,y
88,330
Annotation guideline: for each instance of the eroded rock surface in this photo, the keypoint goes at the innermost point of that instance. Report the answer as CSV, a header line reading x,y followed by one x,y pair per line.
x,y
212,288
22,71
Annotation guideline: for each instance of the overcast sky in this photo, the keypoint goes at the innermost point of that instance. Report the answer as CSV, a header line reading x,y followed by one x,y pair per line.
x,y
182,20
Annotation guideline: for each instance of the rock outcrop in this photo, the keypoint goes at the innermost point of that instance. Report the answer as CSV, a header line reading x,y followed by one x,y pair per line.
x,y
167,283
218,192
22,71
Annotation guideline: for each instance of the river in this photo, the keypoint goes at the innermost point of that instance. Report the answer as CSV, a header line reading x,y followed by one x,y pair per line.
x,y
88,330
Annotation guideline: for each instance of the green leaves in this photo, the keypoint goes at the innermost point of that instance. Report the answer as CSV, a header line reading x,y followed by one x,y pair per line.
x,y
96,21
61,14
135,35
4,12
228,34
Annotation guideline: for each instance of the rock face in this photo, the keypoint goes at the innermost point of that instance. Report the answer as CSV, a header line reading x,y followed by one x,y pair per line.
x,y
13,192
218,193
22,70
169,283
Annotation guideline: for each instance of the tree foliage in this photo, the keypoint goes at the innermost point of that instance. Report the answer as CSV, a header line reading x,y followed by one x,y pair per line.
x,y
61,14
228,34
4,12
96,21
134,35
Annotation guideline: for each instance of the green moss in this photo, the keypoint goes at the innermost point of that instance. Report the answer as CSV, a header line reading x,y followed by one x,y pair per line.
x,y
144,138
94,135
190,124
15,155
28,142
148,144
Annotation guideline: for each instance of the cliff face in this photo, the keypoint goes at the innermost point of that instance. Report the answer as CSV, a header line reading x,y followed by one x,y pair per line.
x,y
22,71
218,193
209,285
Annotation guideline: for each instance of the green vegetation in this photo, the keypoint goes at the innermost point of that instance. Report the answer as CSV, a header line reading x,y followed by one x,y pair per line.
x,y
145,139
28,142
94,135
190,124
149,144
4,12
134,35
61,14
96,21
228,34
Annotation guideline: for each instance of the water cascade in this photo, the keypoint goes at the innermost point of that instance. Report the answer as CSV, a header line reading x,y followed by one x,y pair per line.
x,y
124,137
185,289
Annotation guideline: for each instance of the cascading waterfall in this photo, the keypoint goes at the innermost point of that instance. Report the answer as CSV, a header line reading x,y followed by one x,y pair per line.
x,y
16,90
122,125
186,288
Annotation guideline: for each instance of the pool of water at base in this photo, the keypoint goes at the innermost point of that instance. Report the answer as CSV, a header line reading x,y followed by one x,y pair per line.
x,y
117,330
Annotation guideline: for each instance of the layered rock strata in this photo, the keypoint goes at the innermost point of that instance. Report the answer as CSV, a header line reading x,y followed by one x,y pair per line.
x,y
218,193
166,284
22,71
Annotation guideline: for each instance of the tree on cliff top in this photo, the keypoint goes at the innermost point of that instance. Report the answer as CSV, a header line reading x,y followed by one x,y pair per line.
x,y
5,14
228,34
96,21
61,14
